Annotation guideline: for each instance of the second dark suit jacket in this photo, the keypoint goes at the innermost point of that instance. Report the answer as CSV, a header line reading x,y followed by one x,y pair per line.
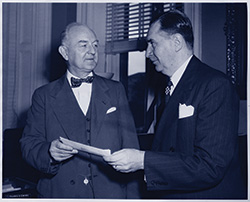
x,y
197,156
54,113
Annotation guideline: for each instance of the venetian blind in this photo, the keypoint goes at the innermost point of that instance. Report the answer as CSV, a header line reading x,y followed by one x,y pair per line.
x,y
127,24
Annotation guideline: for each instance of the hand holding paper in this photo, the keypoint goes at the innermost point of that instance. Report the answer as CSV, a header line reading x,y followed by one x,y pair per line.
x,y
60,152
126,160
86,148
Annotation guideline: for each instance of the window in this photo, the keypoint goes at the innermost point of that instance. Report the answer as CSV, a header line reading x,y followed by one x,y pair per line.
x,y
127,25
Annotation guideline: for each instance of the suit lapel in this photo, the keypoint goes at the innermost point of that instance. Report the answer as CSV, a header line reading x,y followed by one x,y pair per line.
x,y
67,111
100,104
170,114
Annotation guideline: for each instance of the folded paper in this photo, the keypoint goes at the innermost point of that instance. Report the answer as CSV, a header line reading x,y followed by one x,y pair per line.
x,y
85,148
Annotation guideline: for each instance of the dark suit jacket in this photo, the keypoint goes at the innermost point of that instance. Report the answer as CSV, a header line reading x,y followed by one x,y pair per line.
x,y
55,112
197,156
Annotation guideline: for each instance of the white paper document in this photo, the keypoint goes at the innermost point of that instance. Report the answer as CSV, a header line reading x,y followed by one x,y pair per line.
x,y
86,148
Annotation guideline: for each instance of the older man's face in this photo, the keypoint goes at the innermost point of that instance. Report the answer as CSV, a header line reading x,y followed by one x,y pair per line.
x,y
160,50
82,47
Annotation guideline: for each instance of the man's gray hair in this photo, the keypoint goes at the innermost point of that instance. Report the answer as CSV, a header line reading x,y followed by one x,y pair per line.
x,y
65,33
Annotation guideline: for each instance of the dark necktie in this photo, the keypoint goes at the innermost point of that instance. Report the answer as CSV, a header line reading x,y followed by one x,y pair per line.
x,y
167,91
77,82
164,99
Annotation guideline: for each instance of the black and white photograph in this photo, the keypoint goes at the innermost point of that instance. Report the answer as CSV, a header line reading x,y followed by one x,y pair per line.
x,y
125,100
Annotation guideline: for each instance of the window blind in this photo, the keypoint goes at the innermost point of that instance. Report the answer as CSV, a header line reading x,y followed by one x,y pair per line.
x,y
127,24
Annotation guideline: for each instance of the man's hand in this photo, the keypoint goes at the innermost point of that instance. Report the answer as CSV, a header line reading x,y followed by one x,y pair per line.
x,y
60,151
126,160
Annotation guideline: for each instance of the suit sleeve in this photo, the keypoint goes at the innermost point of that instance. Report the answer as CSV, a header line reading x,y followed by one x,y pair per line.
x,y
129,140
126,123
35,148
213,146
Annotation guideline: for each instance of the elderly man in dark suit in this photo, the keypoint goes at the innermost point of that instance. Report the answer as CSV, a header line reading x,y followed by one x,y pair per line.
x,y
195,151
93,111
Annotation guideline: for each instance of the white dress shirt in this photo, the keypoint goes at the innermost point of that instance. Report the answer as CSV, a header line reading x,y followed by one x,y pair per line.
x,y
82,93
175,78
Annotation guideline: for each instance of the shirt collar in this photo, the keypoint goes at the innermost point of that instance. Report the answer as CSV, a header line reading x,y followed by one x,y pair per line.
x,y
175,78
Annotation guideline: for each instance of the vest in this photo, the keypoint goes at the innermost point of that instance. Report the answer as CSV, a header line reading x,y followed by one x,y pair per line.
x,y
84,175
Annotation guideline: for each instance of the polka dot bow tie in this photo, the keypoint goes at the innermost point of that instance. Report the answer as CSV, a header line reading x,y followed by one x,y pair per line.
x,y
77,82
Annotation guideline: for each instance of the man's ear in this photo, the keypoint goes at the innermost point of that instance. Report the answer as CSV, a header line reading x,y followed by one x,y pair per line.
x,y
178,41
63,51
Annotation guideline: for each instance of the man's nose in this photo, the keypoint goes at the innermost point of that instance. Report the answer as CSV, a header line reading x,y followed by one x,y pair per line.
x,y
92,49
148,51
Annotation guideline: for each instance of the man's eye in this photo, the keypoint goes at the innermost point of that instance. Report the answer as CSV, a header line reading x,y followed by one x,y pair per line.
x,y
83,45
153,44
96,45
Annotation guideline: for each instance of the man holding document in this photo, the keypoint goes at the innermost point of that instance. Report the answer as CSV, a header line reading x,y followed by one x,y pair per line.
x,y
194,153
77,120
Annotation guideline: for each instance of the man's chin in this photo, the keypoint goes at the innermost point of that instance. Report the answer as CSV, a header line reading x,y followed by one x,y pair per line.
x,y
162,70
158,68
91,65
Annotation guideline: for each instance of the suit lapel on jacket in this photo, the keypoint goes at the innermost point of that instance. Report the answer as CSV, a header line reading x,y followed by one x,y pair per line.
x,y
170,114
67,111
100,104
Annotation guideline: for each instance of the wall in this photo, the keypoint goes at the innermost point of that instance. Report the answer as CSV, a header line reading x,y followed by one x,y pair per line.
x,y
26,44
214,47
62,15
213,37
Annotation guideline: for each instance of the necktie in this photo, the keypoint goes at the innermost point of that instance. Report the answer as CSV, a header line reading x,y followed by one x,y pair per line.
x,y
167,91
77,82
164,99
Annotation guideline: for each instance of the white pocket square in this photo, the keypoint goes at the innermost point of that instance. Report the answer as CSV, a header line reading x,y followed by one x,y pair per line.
x,y
112,109
185,111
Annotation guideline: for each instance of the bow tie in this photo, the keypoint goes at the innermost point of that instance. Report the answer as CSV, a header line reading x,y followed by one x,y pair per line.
x,y
77,82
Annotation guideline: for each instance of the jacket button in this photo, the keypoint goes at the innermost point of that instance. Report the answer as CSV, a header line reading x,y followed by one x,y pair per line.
x,y
85,181
72,182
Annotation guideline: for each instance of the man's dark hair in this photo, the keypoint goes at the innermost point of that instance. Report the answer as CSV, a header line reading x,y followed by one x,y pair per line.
x,y
174,21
